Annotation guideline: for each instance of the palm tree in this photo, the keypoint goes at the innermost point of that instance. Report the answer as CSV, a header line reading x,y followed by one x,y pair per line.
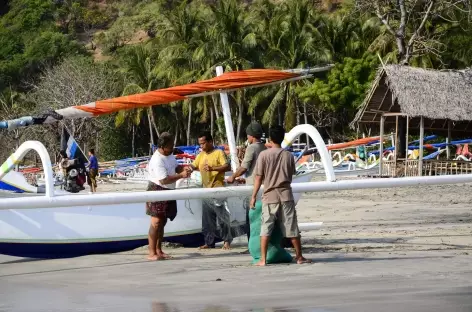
x,y
234,41
139,65
292,41
181,38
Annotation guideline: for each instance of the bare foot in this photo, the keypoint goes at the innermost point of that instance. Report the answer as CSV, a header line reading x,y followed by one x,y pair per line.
x,y
303,260
260,263
226,246
204,247
163,255
153,257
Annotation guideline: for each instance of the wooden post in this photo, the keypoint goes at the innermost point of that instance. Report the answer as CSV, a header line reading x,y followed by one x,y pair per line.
x,y
448,140
396,139
306,122
382,124
420,162
407,126
406,140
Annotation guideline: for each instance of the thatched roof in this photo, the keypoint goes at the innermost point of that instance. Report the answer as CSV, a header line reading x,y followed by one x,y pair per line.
x,y
436,95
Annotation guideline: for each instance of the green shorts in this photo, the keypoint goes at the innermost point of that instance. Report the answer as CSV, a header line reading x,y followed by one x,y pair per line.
x,y
284,215
93,177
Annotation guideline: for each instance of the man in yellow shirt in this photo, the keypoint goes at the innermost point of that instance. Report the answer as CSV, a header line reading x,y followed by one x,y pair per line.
x,y
212,164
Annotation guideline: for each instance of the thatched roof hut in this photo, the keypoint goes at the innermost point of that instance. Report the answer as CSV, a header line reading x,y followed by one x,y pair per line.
x,y
438,96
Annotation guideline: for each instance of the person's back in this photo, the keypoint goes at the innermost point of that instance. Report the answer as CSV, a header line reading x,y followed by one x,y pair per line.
x,y
277,167
274,169
93,162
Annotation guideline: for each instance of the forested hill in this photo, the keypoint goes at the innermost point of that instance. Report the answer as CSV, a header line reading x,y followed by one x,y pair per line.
x,y
57,53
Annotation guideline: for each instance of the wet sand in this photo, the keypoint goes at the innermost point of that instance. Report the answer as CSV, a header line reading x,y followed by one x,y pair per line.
x,y
386,250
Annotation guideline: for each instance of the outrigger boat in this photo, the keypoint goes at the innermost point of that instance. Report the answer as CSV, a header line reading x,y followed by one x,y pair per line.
x,y
44,229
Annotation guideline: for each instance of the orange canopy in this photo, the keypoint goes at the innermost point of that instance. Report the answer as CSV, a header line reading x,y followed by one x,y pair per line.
x,y
229,80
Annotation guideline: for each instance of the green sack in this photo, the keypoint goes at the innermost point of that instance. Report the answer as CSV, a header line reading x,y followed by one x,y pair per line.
x,y
275,252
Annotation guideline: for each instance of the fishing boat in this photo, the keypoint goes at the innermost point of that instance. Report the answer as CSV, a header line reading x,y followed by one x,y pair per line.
x,y
44,229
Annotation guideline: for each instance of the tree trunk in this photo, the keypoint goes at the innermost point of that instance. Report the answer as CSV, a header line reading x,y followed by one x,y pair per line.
x,y
150,129
72,133
154,122
401,48
297,107
212,121
215,104
182,134
176,136
240,115
217,115
96,143
189,123
306,122
333,129
279,115
132,141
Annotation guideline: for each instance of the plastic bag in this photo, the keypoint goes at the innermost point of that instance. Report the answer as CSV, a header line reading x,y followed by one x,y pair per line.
x,y
275,252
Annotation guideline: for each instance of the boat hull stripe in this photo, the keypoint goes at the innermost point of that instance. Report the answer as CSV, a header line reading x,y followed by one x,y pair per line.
x,y
69,250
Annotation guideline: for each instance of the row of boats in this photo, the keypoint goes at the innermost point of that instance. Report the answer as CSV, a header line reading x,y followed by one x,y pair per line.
x,y
354,160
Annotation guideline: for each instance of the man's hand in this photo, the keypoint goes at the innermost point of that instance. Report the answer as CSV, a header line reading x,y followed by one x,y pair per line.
x,y
184,174
252,203
207,167
230,180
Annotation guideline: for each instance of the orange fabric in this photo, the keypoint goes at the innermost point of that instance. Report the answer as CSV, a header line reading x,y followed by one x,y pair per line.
x,y
304,159
131,101
229,80
362,141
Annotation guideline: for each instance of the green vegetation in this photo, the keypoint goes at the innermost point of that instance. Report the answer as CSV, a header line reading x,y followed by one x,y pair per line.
x,y
101,49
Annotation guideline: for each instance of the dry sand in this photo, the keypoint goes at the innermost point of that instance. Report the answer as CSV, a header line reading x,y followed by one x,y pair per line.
x,y
378,249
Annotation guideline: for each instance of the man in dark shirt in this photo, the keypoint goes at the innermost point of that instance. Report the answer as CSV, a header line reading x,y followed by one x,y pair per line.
x,y
254,133
93,170
275,168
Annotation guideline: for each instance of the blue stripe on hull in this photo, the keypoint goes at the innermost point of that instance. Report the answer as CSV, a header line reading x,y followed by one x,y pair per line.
x,y
8,187
69,250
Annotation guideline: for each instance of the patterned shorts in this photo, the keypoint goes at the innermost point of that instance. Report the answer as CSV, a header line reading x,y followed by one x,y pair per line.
x,y
161,209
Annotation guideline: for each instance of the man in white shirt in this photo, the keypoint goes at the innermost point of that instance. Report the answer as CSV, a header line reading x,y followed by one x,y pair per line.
x,y
163,171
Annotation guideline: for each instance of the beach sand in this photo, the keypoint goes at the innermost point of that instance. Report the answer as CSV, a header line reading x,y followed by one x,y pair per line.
x,y
379,249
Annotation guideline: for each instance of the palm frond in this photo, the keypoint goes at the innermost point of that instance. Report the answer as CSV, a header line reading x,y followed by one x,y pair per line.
x,y
277,100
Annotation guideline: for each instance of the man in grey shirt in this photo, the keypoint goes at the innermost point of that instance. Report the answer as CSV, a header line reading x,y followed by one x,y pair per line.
x,y
254,133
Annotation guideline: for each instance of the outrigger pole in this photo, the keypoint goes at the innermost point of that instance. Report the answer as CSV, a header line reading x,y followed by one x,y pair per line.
x,y
228,125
